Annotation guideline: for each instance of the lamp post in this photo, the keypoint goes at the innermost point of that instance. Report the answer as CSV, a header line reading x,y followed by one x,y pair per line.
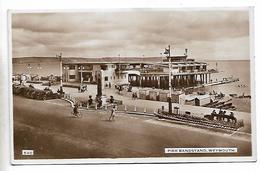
x,y
60,58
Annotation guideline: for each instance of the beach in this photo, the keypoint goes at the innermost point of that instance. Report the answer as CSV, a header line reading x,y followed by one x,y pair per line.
x,y
237,69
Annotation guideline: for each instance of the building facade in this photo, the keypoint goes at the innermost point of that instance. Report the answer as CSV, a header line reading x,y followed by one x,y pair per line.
x,y
184,72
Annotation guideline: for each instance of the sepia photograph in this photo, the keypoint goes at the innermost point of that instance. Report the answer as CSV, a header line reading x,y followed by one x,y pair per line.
x,y
132,86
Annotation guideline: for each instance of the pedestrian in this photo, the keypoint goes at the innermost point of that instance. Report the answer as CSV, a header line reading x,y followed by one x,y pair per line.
x,y
90,100
99,102
112,115
75,110
111,100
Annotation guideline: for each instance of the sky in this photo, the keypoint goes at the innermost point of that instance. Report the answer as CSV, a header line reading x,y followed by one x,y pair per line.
x,y
207,34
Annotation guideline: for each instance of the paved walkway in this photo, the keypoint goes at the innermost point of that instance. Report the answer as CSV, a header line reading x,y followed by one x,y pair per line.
x,y
149,106
51,131
155,105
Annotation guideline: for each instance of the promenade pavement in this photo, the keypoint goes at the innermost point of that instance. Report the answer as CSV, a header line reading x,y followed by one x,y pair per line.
x,y
147,105
48,128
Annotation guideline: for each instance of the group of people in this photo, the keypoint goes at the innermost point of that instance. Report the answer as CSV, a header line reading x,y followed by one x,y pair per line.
x,y
82,88
222,112
90,101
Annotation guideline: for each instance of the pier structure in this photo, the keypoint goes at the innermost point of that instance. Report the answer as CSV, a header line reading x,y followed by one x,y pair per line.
x,y
160,80
185,72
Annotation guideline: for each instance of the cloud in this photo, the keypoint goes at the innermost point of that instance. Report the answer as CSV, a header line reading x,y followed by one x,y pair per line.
x,y
133,33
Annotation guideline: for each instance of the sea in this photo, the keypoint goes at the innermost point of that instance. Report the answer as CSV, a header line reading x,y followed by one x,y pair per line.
x,y
237,69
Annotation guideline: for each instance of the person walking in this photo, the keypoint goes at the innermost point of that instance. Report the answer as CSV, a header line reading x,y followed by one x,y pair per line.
x,y
112,115
90,100
76,110
133,96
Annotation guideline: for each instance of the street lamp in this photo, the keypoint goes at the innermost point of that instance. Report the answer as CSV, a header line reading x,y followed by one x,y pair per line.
x,y
60,58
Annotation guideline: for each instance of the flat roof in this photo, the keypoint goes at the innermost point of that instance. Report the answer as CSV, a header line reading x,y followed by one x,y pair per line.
x,y
80,60
175,74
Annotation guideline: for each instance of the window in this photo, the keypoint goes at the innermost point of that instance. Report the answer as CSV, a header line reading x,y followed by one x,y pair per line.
x,y
112,66
88,67
106,78
72,76
72,67
103,67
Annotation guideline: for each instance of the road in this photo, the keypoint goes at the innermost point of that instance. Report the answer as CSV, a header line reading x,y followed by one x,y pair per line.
x,y
48,128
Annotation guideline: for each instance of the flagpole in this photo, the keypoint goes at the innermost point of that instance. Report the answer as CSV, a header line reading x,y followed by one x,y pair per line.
x,y
170,81
169,99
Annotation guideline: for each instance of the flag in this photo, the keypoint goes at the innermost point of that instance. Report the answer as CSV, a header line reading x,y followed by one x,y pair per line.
x,y
167,51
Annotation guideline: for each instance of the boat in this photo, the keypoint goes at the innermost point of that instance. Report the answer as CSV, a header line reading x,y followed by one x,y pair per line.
x,y
211,121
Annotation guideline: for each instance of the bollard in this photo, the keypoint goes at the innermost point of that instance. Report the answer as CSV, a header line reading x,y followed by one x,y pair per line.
x,y
135,109
96,106
125,108
145,110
